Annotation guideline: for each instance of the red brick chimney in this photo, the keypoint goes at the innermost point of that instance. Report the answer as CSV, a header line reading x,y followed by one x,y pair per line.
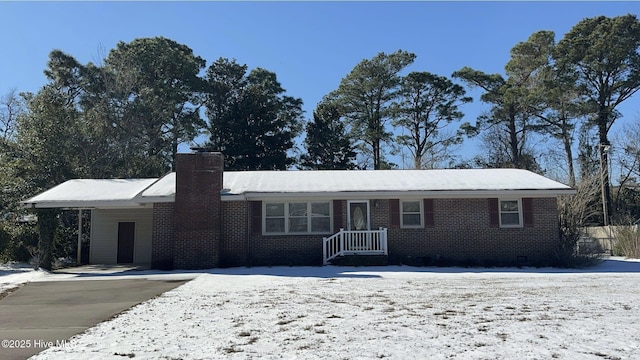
x,y
198,210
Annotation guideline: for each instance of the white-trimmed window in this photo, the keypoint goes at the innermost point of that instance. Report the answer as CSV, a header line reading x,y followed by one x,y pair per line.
x,y
297,217
411,214
511,213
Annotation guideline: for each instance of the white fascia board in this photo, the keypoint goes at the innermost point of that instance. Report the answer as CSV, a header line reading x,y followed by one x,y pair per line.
x,y
406,194
84,205
365,195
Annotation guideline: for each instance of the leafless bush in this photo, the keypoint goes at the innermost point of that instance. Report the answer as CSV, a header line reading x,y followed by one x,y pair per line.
x,y
573,211
627,240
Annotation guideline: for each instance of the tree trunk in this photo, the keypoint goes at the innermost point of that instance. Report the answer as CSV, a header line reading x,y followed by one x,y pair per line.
x,y
566,140
603,147
47,224
376,154
174,151
417,162
513,142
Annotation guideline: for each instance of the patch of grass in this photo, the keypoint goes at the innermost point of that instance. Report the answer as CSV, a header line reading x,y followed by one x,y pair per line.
x,y
6,292
129,355
232,349
605,356
285,321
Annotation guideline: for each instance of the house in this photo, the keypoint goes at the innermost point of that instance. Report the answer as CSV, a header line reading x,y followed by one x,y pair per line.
x,y
203,217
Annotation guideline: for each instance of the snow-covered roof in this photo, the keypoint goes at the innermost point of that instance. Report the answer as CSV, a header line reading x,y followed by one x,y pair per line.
x,y
334,184
164,190
81,193
385,183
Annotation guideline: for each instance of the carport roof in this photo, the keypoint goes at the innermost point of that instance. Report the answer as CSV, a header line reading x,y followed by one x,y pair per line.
x,y
88,193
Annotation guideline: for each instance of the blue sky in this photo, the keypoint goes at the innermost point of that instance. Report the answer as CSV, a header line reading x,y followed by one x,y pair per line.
x,y
311,46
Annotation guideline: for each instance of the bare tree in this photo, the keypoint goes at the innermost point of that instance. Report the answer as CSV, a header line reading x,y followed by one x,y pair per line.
x,y
626,196
574,214
11,106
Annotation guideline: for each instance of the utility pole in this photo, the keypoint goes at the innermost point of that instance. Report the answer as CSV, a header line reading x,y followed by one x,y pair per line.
x,y
604,148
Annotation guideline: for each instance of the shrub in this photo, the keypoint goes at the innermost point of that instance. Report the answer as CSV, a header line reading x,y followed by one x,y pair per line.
x,y
627,241
572,212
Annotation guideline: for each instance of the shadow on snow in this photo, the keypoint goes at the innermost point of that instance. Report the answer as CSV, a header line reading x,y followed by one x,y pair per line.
x,y
613,265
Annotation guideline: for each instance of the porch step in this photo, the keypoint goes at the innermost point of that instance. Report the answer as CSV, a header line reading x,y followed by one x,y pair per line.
x,y
360,260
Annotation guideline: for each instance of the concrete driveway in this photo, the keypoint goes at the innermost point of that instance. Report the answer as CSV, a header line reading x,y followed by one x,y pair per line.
x,y
42,314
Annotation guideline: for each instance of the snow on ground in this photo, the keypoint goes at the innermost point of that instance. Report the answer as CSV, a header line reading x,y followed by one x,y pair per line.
x,y
381,312
16,274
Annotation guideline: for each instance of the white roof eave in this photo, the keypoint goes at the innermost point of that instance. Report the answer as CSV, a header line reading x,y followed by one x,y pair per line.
x,y
403,194
83,204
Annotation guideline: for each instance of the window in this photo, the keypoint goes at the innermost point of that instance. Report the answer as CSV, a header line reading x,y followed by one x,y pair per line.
x,y
411,213
510,213
297,218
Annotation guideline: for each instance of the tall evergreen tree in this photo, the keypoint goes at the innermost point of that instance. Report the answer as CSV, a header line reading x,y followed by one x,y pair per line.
x,y
427,104
327,143
156,86
550,92
605,53
250,118
366,95
507,114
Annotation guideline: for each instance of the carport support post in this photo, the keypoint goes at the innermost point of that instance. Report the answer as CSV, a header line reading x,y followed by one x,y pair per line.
x,y
79,253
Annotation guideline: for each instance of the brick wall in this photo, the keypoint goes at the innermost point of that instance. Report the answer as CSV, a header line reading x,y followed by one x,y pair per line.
x,y
235,229
162,236
241,246
460,233
198,210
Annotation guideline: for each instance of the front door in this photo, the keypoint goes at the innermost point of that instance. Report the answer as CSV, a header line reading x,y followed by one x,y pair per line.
x,y
358,215
126,236
358,221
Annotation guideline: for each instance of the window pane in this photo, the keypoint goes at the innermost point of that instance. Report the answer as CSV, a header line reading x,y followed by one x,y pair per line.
x,y
320,209
411,219
298,224
298,209
320,224
275,209
274,225
508,205
411,206
510,219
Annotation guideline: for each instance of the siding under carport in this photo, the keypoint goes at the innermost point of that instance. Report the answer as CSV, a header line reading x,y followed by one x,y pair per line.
x,y
104,234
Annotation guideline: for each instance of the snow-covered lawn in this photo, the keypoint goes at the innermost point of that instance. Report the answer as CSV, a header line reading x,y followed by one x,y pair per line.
x,y
382,312
13,275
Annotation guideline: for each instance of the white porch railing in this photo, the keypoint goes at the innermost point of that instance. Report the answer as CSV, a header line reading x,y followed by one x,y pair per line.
x,y
354,242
